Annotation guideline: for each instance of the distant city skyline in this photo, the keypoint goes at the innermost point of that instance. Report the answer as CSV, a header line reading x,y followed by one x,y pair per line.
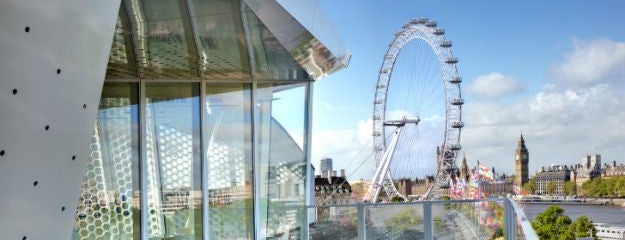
x,y
552,70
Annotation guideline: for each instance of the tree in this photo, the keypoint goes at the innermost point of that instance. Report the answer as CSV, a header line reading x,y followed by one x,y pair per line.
x,y
551,187
553,224
404,220
604,187
397,199
620,183
530,186
582,227
570,188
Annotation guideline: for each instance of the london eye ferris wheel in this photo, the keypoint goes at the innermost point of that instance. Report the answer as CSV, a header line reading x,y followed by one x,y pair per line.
x,y
417,111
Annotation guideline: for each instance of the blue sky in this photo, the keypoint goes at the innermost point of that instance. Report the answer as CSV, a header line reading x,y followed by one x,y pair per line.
x,y
527,53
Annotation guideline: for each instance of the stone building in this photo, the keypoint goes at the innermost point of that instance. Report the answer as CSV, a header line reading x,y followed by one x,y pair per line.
x,y
521,159
613,170
588,170
464,169
557,175
331,189
416,188
498,188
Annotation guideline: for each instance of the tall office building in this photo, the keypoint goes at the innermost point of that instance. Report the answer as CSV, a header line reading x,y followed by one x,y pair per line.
x,y
158,119
326,165
521,159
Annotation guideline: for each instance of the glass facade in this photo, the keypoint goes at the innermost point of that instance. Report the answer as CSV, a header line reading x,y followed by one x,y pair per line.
x,y
109,203
173,160
201,131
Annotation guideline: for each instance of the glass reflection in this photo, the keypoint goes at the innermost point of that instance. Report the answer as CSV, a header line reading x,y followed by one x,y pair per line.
x,y
271,60
229,159
171,51
280,125
220,32
173,160
109,205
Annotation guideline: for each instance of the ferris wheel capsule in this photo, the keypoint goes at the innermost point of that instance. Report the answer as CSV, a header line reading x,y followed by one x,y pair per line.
x,y
457,101
454,80
457,124
452,60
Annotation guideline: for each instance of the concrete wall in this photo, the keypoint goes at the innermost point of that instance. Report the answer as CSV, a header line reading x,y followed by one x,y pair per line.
x,y
53,57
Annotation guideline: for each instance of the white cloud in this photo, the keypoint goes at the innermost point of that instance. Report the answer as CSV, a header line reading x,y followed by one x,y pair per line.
x,y
350,149
592,62
559,126
580,112
494,85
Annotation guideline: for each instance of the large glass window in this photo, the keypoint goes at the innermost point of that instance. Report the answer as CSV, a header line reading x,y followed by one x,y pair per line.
x,y
200,131
281,110
173,153
109,203
229,160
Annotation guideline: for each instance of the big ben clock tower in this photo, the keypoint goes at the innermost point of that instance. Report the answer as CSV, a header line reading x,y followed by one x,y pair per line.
x,y
521,158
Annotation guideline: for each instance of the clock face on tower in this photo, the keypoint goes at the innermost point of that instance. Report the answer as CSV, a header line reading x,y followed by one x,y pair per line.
x,y
524,157
518,157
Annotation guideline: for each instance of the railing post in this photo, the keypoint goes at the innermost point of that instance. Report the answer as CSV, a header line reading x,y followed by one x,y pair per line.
x,y
427,221
509,221
362,230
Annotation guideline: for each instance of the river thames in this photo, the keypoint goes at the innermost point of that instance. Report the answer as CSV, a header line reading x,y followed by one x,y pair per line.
x,y
614,215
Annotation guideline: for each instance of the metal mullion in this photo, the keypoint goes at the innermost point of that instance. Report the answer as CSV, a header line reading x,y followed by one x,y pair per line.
x,y
255,165
308,148
247,37
196,37
143,163
204,161
136,34
255,156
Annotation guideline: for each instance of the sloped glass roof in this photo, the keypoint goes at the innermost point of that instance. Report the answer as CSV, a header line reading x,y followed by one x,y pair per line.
x,y
213,39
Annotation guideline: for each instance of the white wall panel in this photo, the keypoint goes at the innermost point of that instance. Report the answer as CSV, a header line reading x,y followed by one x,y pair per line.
x,y
73,36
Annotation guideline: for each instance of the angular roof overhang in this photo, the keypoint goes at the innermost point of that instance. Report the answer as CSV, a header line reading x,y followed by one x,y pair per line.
x,y
305,33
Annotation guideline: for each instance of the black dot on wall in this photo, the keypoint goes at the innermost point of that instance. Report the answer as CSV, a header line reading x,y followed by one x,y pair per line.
x,y
26,29
63,209
35,183
2,152
14,91
84,106
24,238
58,71
47,127
73,157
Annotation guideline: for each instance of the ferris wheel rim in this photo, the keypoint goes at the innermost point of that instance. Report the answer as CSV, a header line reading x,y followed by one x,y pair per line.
x,y
425,30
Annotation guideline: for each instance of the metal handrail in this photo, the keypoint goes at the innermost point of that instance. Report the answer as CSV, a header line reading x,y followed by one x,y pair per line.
x,y
514,217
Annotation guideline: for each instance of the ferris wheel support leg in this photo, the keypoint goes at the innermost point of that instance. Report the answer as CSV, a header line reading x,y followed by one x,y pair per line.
x,y
382,171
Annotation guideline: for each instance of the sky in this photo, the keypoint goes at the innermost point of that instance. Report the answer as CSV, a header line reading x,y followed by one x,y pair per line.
x,y
553,70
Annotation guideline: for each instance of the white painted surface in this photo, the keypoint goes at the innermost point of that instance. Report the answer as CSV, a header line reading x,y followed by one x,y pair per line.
x,y
73,36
